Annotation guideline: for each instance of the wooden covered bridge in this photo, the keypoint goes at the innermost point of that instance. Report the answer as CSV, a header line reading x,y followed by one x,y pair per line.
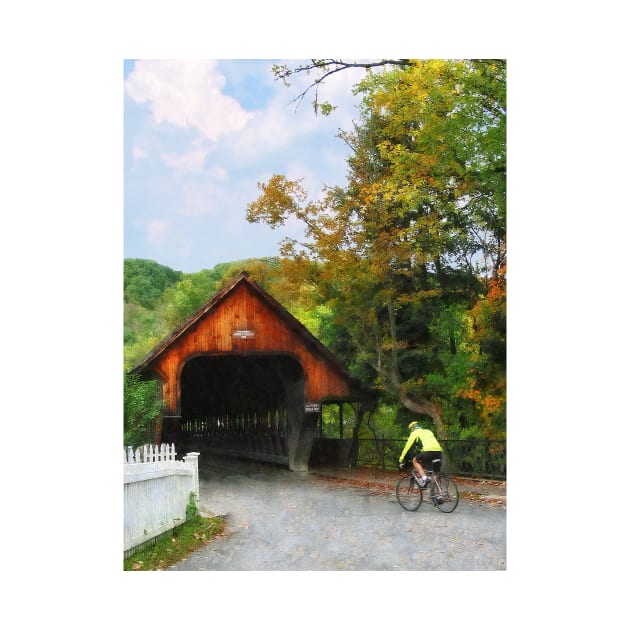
x,y
245,377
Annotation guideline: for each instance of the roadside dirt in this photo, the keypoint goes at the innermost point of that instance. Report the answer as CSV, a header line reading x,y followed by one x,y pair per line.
x,y
487,491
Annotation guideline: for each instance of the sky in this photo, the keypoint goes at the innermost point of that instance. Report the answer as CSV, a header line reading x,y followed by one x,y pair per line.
x,y
199,135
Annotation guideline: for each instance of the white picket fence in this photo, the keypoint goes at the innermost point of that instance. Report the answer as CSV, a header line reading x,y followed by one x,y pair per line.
x,y
157,491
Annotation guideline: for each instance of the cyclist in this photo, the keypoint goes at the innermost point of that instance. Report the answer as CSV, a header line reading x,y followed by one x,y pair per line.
x,y
423,446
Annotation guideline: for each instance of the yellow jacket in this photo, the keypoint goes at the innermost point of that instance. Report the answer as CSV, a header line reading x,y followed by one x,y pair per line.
x,y
429,442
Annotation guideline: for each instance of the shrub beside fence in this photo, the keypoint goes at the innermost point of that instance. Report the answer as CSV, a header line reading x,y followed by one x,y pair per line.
x,y
157,490
470,457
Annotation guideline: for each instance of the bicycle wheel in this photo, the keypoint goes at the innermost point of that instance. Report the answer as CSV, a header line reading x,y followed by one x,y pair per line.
x,y
409,494
444,493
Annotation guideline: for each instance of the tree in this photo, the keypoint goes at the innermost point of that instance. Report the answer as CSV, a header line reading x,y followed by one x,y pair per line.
x,y
146,280
420,223
324,69
142,407
145,283
183,299
486,386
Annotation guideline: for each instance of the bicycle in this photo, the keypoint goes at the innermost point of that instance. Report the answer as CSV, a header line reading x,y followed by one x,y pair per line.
x,y
442,489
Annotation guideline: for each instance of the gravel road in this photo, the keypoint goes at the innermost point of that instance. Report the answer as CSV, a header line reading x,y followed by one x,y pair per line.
x,y
287,521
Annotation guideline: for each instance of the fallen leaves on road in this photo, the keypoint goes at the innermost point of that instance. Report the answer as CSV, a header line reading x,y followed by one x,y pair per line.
x,y
383,483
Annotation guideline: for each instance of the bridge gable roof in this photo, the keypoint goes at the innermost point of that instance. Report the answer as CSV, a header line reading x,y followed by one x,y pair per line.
x,y
289,322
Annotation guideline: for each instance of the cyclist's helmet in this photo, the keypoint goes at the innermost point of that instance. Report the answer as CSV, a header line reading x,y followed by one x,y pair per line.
x,y
414,425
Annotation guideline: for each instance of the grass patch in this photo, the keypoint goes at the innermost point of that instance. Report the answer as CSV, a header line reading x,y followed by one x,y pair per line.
x,y
175,546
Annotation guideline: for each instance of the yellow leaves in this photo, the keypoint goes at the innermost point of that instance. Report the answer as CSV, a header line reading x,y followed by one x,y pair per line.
x,y
280,198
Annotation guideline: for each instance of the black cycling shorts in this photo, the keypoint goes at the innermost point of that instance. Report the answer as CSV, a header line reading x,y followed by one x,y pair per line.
x,y
426,458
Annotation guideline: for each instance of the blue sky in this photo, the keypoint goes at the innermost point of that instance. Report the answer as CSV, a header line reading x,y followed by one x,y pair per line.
x,y
198,137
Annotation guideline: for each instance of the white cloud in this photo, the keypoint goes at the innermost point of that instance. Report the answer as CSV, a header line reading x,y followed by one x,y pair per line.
x,y
156,231
298,170
206,195
190,162
268,131
187,94
199,198
213,151
218,173
139,153
283,125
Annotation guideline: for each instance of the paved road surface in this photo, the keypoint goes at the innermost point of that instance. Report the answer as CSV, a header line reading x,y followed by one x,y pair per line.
x,y
282,520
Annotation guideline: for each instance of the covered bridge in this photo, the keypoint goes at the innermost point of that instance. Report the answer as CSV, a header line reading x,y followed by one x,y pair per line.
x,y
243,376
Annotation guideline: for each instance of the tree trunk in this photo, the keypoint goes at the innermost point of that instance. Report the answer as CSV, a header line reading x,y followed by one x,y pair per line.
x,y
425,407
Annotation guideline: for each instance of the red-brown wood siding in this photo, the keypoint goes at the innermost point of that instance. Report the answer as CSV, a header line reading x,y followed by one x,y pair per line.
x,y
244,309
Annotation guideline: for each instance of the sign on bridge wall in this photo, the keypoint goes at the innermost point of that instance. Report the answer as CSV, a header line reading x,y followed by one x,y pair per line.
x,y
243,334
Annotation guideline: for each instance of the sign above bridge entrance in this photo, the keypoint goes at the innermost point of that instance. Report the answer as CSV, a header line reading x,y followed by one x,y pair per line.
x,y
243,334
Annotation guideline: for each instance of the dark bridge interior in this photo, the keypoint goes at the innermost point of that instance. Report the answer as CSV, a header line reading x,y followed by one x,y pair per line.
x,y
240,402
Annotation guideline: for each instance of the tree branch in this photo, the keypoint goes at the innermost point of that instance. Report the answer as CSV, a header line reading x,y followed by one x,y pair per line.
x,y
283,72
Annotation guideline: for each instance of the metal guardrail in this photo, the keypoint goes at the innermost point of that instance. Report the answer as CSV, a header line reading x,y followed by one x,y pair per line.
x,y
470,457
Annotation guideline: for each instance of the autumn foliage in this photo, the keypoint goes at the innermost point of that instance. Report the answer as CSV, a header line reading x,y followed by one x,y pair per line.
x,y
410,255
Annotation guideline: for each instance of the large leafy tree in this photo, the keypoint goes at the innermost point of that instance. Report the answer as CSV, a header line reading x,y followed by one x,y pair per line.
x,y
420,224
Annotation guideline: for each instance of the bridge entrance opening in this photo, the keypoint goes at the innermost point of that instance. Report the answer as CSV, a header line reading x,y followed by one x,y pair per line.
x,y
250,405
